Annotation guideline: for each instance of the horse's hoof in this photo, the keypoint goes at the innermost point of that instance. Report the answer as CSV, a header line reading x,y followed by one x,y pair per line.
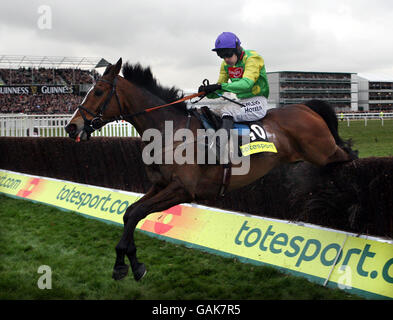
x,y
140,272
120,272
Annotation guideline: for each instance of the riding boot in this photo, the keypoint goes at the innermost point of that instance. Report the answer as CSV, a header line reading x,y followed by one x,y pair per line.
x,y
227,125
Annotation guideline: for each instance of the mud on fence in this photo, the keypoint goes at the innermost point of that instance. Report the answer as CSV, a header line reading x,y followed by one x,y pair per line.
x,y
356,196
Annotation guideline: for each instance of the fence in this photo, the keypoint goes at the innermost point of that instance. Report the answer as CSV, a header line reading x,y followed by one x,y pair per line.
x,y
20,125
348,117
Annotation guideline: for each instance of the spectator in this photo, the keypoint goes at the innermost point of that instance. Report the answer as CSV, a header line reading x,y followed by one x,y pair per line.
x,y
39,103
43,103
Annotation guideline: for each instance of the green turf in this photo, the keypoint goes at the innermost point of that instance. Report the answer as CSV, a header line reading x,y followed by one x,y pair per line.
x,y
373,140
80,253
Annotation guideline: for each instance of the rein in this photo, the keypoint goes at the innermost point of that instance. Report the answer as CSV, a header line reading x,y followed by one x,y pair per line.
x,y
98,122
169,104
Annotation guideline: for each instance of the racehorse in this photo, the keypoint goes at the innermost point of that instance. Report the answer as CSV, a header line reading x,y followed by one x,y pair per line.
x,y
299,132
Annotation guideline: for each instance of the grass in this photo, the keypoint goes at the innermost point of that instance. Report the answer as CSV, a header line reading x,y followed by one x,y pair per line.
x,y
373,140
80,253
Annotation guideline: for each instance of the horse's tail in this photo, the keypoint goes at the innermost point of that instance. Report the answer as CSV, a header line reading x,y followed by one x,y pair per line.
x,y
328,114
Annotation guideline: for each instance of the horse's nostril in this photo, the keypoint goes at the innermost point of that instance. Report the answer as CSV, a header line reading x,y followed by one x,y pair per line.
x,y
70,128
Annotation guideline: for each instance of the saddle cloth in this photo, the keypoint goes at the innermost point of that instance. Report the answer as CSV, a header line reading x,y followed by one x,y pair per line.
x,y
252,132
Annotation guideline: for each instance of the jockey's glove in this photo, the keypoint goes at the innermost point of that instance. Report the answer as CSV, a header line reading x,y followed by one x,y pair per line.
x,y
209,88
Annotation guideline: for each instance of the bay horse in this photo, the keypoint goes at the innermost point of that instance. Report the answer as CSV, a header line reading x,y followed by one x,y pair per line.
x,y
299,132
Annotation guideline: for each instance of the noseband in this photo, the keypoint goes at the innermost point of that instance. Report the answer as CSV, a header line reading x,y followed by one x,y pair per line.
x,y
98,122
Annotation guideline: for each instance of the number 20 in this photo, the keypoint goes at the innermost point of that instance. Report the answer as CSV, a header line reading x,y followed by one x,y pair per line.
x,y
259,131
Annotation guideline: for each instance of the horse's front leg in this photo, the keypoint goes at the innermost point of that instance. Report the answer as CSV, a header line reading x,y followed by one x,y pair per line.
x,y
120,269
172,195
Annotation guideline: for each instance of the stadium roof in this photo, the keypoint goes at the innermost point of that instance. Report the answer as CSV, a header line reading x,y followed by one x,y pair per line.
x,y
17,61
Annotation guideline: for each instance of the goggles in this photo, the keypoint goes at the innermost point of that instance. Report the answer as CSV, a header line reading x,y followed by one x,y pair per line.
x,y
225,53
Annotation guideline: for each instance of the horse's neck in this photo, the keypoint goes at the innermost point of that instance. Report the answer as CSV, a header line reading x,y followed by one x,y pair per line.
x,y
155,119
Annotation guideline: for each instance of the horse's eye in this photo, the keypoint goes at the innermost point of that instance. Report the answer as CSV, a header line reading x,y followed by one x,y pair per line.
x,y
98,92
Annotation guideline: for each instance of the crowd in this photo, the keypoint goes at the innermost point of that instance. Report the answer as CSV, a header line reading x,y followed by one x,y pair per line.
x,y
376,107
288,86
46,76
42,103
381,95
39,103
316,76
321,96
29,76
381,85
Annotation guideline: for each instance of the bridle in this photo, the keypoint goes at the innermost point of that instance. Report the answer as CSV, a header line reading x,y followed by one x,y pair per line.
x,y
98,122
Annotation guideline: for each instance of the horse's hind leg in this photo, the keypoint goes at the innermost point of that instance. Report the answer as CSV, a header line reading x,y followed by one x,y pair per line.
x,y
323,150
323,159
339,156
172,195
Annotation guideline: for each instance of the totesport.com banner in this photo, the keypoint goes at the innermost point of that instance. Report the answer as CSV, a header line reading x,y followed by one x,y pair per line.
x,y
357,264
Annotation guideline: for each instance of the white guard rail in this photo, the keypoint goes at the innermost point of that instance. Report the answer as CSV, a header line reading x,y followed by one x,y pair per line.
x,y
348,117
20,125
369,116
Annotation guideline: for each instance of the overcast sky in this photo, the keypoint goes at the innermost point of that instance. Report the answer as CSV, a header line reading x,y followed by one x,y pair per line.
x,y
175,37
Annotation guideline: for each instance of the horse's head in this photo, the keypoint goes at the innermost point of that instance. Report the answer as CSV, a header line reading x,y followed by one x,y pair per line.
x,y
100,105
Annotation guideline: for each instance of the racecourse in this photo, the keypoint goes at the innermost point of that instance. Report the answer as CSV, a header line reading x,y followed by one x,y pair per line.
x,y
80,253
373,140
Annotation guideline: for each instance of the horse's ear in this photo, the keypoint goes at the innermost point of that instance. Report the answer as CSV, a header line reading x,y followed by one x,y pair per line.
x,y
117,67
107,69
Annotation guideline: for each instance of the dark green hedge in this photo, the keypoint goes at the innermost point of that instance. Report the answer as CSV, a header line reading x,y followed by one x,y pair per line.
x,y
356,196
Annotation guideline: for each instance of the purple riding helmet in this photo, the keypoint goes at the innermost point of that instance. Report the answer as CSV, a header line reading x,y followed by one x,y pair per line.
x,y
226,40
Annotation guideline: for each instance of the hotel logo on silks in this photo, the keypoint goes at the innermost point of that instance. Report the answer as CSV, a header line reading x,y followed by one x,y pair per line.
x,y
357,264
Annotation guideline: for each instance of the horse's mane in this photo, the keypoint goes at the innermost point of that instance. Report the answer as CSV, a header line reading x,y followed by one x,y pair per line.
x,y
144,78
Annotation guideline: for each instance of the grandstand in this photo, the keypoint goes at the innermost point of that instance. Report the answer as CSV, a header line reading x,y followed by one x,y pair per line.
x,y
291,87
45,84
375,92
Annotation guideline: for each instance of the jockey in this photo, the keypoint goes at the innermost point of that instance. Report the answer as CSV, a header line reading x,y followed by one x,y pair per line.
x,y
246,70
